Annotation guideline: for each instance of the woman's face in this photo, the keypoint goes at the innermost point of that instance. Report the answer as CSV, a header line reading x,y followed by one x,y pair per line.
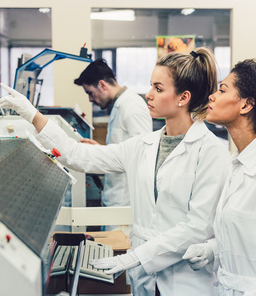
x,y
225,104
162,99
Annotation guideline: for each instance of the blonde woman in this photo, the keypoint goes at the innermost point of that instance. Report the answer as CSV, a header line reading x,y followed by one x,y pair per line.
x,y
175,175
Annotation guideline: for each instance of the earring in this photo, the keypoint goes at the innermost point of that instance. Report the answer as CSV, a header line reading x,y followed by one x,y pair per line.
x,y
179,104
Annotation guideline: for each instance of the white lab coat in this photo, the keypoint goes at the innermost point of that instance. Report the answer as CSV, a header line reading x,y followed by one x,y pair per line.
x,y
129,117
235,227
190,182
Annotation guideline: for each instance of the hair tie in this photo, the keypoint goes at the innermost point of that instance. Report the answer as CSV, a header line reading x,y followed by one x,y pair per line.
x,y
194,54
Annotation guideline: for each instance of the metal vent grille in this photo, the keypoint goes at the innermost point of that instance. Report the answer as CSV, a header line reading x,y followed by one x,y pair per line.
x,y
32,188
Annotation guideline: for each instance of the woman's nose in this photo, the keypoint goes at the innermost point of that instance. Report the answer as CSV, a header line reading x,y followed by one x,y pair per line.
x,y
148,96
211,97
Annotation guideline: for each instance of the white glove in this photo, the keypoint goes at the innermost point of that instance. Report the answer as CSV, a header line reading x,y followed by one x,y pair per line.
x,y
117,263
19,103
199,255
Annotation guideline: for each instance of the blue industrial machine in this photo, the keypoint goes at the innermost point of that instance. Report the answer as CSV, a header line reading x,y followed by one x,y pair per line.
x,y
27,81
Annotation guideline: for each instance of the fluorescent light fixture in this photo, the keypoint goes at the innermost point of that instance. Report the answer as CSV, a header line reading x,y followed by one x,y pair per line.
x,y
44,10
187,11
114,15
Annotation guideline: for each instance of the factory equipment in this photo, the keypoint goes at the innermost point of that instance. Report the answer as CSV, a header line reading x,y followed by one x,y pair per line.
x,y
28,83
32,189
76,195
27,74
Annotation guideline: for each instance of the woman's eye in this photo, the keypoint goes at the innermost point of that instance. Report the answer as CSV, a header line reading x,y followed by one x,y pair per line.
x,y
158,89
222,91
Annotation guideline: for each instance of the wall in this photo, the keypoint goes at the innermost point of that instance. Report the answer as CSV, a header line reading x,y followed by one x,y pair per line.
x,y
25,24
71,28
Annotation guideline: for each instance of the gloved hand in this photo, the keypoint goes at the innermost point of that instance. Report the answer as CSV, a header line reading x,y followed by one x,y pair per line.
x,y
19,103
117,263
199,255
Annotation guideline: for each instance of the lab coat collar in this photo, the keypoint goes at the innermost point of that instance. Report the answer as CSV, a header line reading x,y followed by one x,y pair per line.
x,y
195,132
247,158
152,137
120,97
117,103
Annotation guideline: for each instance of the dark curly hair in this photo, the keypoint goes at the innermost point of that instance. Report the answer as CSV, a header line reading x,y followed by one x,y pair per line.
x,y
245,83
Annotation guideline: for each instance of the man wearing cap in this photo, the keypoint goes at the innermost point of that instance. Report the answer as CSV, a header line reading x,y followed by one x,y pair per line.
x,y
129,117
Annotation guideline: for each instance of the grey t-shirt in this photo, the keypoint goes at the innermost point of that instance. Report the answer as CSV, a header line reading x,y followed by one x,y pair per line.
x,y
166,145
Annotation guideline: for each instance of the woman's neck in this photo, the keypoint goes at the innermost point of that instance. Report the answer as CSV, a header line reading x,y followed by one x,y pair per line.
x,y
242,136
176,127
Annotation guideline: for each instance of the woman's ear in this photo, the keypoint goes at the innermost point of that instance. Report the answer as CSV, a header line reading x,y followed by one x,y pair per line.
x,y
185,98
247,105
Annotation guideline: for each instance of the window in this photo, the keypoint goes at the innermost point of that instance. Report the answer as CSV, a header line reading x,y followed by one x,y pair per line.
x,y
223,58
134,66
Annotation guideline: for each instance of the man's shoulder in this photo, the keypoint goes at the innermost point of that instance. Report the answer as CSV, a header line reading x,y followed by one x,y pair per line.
x,y
129,92
129,98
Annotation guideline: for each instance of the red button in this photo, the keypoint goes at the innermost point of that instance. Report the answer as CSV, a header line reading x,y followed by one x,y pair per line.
x,y
55,152
8,237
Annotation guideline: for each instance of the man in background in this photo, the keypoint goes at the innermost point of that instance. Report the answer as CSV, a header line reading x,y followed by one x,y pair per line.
x,y
129,117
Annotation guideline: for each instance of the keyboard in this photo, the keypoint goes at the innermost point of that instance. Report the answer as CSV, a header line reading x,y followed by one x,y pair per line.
x,y
61,259
93,250
65,260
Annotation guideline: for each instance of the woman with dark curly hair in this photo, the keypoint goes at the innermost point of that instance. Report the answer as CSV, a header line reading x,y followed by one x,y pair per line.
x,y
234,249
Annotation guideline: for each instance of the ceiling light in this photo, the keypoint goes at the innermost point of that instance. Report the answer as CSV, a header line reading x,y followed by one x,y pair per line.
x,y
114,15
187,11
44,10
